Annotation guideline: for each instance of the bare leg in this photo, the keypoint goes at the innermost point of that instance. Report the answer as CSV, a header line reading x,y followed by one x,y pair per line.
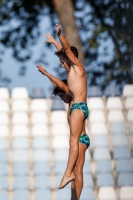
x,y
76,126
77,183
78,171
73,194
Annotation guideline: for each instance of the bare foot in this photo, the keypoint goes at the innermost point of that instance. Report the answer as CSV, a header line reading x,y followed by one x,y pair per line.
x,y
65,180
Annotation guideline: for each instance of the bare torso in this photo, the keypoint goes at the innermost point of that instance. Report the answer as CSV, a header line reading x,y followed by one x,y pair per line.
x,y
77,84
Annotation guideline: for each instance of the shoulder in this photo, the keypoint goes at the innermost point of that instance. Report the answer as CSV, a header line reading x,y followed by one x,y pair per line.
x,y
79,68
78,65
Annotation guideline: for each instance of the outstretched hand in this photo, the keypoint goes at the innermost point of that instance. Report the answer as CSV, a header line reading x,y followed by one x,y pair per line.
x,y
50,38
42,70
58,29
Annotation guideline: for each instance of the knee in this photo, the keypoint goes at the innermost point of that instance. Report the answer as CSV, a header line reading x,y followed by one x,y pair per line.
x,y
73,141
78,171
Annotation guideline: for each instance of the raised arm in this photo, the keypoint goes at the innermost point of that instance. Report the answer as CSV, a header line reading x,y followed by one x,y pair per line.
x,y
50,39
66,47
52,82
55,81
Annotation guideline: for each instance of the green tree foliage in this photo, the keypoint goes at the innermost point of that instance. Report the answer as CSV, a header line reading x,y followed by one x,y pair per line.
x,y
21,21
108,22
105,29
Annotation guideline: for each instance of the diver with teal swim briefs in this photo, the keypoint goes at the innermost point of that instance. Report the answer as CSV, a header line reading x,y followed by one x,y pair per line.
x,y
84,140
76,89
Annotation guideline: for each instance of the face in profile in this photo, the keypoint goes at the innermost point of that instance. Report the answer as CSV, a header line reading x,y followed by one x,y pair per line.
x,y
64,97
65,62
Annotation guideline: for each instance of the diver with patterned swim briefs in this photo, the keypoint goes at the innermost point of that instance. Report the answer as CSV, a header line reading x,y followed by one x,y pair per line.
x,y
76,89
84,140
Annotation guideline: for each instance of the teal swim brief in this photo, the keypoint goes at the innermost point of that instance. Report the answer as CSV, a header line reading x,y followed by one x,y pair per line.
x,y
85,140
80,106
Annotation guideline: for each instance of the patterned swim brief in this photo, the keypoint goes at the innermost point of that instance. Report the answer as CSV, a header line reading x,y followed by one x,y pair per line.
x,y
85,139
80,106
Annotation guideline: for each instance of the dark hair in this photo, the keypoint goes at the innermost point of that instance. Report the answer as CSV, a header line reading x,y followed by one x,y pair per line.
x,y
62,52
74,50
56,89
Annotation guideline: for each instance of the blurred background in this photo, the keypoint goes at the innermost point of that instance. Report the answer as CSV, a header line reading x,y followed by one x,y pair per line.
x,y
101,30
34,135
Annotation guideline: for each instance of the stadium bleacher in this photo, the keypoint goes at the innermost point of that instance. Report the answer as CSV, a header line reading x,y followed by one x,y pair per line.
x,y
34,145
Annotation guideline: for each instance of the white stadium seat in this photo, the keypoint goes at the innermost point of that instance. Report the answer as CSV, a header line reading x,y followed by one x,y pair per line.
x,y
130,115
64,194
129,103
35,144
119,140
100,141
95,103
98,128
40,143
126,193
4,93
4,144
41,155
4,106
19,194
87,155
58,117
21,183
101,153
4,118
59,142
115,115
19,93
114,103
20,156
20,105
43,194
107,193
117,127
20,143
40,130
61,154
97,116
38,105
4,131
128,90
39,117
20,130
60,129
20,118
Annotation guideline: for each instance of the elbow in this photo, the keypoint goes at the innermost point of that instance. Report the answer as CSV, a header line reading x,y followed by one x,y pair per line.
x,y
62,88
